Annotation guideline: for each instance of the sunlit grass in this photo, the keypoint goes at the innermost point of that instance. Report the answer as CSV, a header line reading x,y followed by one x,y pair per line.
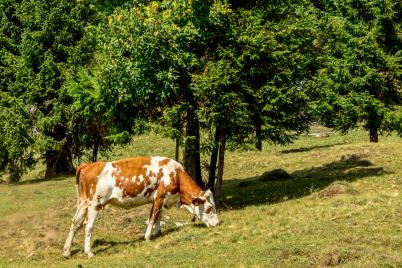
x,y
340,205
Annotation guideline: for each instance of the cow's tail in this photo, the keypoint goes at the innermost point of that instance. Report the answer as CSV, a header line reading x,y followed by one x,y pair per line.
x,y
78,182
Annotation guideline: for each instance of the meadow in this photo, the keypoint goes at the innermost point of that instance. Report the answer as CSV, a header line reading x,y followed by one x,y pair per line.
x,y
319,202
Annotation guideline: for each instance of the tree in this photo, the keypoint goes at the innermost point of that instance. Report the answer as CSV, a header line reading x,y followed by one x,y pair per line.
x,y
215,69
92,127
278,57
360,77
16,154
254,77
44,42
154,69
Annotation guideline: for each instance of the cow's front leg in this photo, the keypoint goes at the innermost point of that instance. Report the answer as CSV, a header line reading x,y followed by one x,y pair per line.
x,y
158,224
153,218
92,213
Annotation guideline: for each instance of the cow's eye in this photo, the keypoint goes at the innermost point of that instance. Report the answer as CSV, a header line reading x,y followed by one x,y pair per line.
x,y
208,210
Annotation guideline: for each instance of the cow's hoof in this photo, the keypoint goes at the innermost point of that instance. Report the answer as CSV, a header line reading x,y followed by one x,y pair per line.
x,y
90,255
66,254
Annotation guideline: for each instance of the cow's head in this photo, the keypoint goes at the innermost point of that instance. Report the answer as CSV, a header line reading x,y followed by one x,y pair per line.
x,y
204,208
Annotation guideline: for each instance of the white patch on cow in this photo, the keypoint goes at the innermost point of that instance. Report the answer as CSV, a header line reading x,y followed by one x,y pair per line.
x,y
117,193
106,183
155,194
154,166
167,169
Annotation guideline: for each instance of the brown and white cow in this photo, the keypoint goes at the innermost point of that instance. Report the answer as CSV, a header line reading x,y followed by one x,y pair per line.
x,y
133,182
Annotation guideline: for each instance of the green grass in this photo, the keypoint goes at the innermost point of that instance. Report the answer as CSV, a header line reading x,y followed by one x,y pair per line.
x,y
340,205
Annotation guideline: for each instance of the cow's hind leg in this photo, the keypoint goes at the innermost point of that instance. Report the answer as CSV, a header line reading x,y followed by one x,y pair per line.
x,y
77,221
92,214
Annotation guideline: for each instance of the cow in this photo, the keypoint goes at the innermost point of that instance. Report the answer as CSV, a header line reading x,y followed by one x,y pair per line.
x,y
132,182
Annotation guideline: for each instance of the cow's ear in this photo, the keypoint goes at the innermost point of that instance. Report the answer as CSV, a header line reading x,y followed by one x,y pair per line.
x,y
198,200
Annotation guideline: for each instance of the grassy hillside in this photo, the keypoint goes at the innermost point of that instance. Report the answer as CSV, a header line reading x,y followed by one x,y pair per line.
x,y
333,200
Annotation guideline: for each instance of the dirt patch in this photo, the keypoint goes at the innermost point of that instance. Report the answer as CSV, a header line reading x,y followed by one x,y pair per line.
x,y
337,188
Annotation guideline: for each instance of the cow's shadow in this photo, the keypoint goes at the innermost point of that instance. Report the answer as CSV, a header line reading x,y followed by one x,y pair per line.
x,y
263,189
103,245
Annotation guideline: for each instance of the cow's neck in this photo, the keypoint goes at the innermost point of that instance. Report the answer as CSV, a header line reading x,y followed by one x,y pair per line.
x,y
188,188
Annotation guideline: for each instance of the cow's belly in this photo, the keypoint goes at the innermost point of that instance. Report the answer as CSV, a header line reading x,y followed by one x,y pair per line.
x,y
120,198
130,202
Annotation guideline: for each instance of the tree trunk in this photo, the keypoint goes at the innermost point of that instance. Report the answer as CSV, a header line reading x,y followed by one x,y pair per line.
x,y
258,136
177,150
57,163
214,158
192,159
373,134
95,151
221,162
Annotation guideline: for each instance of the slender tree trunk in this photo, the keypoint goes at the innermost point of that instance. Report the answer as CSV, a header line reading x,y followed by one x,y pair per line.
x,y
95,151
373,134
221,162
258,135
192,159
214,158
177,150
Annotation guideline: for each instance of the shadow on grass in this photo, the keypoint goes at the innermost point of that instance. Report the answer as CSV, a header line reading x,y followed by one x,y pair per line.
x,y
103,245
257,190
40,180
310,148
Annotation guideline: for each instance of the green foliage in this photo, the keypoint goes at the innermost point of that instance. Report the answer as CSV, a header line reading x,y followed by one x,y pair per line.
x,y
43,42
361,74
16,154
88,74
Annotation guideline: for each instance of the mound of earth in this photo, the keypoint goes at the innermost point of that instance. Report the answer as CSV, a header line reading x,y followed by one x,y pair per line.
x,y
336,188
275,175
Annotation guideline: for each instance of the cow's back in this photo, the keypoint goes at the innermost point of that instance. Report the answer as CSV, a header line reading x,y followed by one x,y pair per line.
x,y
128,182
134,178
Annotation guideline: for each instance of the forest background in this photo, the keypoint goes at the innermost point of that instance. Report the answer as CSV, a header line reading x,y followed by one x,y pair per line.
x,y
79,77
